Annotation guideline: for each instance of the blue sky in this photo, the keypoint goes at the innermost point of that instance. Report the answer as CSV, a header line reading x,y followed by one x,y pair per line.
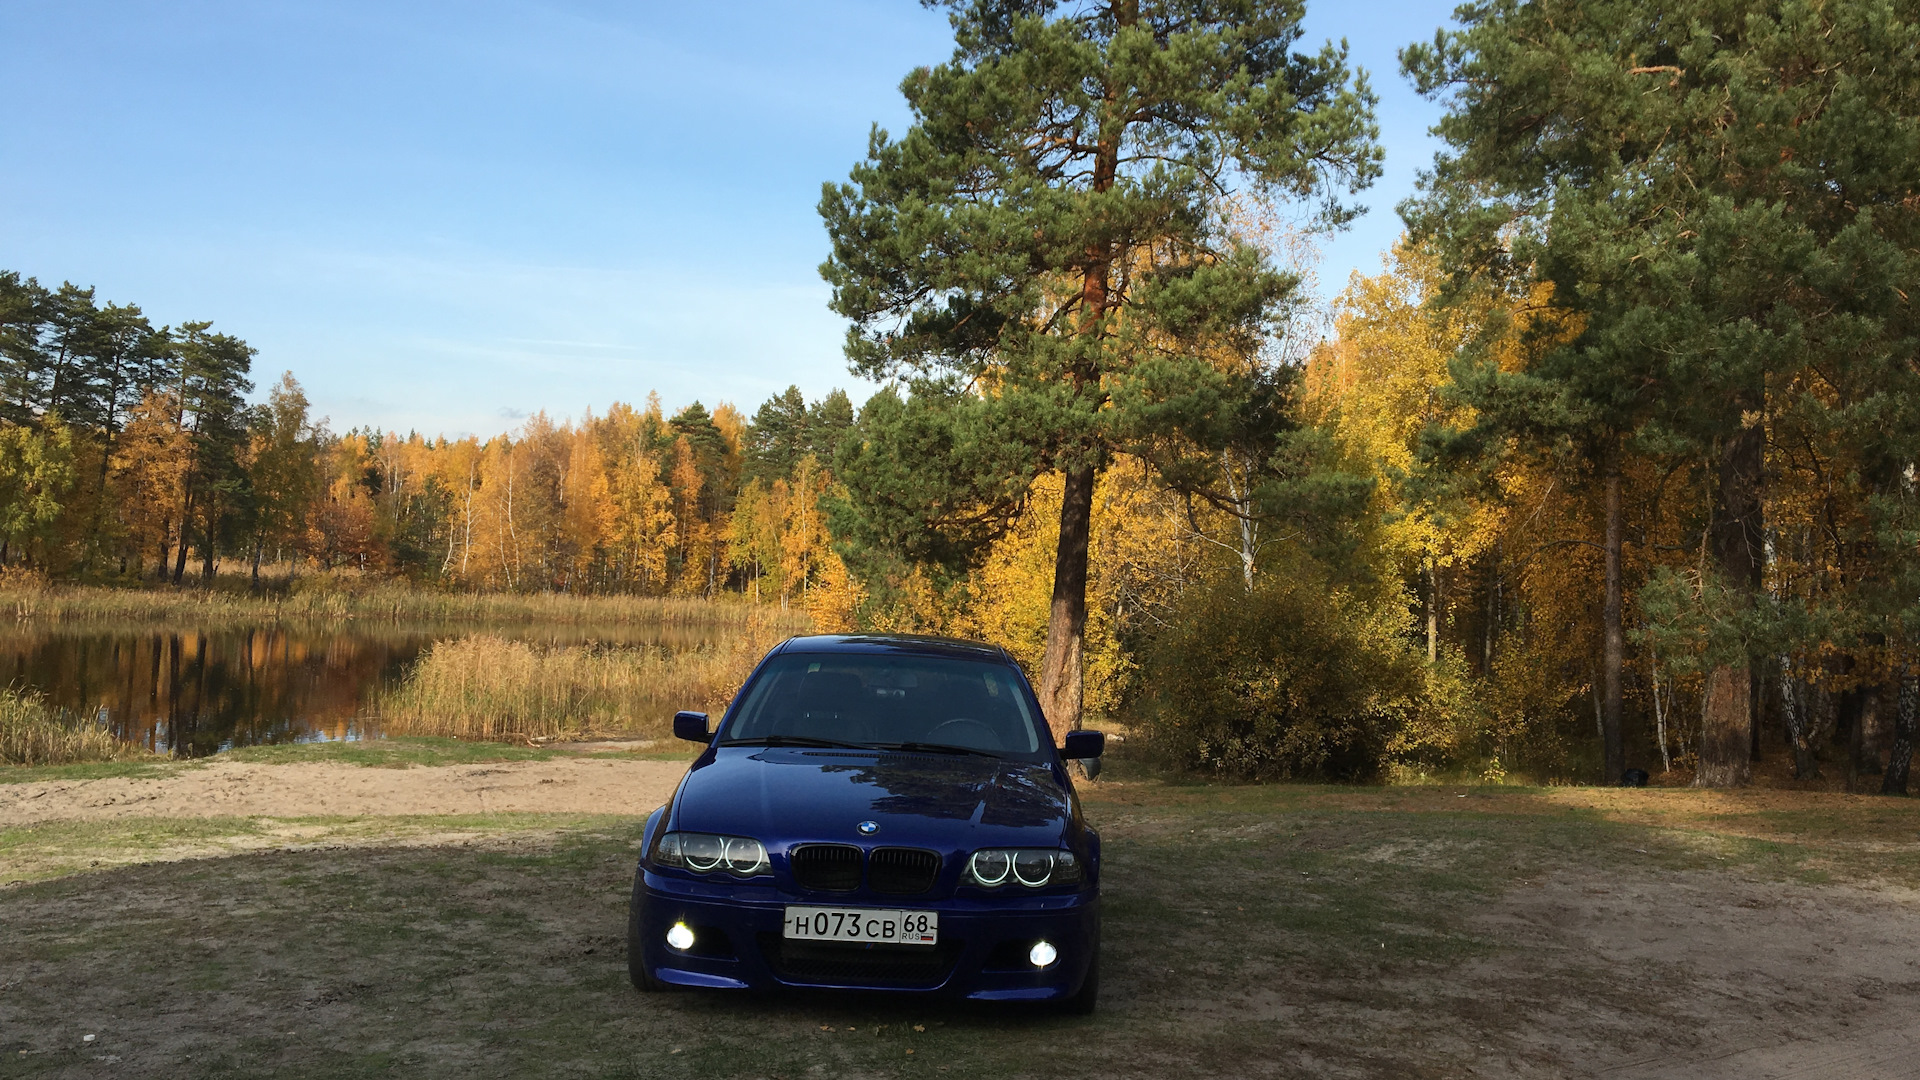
x,y
444,216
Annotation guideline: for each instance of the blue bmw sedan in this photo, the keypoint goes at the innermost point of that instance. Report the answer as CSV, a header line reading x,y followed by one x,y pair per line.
x,y
875,813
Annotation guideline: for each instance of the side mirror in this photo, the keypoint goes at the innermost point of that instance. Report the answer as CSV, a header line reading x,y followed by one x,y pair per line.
x,y
691,726
1084,744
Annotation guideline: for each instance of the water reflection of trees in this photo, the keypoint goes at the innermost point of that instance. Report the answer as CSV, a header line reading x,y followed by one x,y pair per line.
x,y
1017,794
193,691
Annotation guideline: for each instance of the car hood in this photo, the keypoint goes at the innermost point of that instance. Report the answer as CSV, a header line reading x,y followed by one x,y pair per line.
x,y
784,795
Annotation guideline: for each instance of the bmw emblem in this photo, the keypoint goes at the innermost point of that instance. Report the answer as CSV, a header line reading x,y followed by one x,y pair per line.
x,y
868,828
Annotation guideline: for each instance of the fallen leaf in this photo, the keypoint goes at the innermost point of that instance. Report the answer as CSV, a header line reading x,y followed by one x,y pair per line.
x,y
919,1027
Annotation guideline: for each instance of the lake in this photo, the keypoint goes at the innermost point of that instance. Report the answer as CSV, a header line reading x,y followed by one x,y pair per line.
x,y
194,692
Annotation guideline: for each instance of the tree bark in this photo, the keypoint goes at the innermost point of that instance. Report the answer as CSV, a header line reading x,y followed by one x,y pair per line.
x,y
1726,729
1613,743
1900,762
1793,710
180,558
1723,729
1852,713
1433,613
1061,689
206,552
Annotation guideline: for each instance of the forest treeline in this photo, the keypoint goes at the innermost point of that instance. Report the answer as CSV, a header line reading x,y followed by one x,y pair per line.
x,y
129,452
1612,467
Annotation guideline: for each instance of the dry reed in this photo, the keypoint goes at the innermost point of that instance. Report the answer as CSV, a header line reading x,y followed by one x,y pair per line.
x,y
326,600
486,687
33,732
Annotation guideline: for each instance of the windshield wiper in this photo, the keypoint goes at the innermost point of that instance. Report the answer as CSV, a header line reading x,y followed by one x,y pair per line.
x,y
797,740
935,748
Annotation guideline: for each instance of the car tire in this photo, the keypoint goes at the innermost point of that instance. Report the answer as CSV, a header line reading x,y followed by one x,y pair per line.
x,y
1083,1001
643,979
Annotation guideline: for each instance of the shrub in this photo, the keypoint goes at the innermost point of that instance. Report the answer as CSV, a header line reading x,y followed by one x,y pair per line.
x,y
1289,679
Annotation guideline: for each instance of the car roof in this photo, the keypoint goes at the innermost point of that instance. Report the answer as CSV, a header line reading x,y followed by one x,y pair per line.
x,y
913,644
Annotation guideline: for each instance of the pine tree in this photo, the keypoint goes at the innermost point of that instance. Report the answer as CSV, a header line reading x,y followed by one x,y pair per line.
x,y
777,437
212,379
1045,257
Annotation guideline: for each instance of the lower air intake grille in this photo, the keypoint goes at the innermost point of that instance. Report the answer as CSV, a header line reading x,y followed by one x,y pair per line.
x,y
837,964
827,867
901,871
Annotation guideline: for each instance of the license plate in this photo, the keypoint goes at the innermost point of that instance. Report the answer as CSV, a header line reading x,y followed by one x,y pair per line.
x,y
863,925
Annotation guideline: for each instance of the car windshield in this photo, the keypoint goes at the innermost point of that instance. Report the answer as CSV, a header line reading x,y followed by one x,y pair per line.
x,y
888,700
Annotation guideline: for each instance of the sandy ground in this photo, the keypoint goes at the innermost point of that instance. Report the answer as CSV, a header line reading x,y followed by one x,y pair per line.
x,y
231,789
1675,988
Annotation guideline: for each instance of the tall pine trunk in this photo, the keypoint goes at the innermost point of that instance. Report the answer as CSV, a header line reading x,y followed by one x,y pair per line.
x,y
1727,712
1061,688
180,557
1900,761
1613,743
206,550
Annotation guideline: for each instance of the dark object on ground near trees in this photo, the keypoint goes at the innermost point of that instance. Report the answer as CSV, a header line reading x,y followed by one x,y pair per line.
x,y
1634,778
875,813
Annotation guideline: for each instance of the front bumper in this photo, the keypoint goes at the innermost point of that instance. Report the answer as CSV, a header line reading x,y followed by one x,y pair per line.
x,y
982,954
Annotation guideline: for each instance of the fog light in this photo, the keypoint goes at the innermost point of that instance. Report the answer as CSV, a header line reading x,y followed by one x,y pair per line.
x,y
1043,954
679,937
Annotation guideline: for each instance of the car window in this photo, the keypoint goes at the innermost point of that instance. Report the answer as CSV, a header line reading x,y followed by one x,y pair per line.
x,y
880,699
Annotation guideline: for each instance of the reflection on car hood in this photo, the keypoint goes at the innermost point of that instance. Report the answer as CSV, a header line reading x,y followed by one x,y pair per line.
x,y
786,794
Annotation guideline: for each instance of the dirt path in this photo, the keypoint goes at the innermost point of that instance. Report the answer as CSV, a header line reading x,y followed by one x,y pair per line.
x,y
225,788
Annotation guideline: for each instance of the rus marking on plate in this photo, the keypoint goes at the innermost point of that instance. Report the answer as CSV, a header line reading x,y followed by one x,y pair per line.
x,y
868,828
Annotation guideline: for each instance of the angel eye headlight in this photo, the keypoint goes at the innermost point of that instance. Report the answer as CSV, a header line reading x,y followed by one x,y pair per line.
x,y
745,857
702,852
989,868
705,853
1033,867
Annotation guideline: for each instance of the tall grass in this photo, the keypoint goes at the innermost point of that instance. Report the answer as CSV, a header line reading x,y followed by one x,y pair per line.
x,y
327,599
486,687
33,732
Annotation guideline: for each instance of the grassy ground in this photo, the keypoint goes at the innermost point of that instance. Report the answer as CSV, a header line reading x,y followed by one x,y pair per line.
x,y
397,752
389,753
1279,931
